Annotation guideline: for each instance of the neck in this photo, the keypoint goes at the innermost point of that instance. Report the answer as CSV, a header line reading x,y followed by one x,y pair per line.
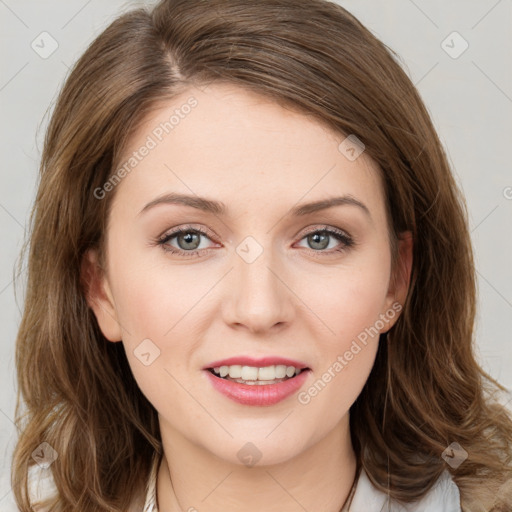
x,y
318,479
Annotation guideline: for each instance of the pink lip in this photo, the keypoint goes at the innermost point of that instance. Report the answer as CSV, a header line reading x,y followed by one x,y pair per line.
x,y
258,363
264,395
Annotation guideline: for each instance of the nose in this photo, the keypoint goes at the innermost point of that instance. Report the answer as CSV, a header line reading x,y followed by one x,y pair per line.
x,y
259,298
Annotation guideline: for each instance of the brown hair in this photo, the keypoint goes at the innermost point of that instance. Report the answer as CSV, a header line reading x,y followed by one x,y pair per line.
x,y
426,389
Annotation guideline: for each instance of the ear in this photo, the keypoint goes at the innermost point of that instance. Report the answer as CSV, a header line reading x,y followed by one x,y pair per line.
x,y
400,278
99,296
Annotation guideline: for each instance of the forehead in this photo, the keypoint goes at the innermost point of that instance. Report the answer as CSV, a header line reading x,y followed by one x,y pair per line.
x,y
241,148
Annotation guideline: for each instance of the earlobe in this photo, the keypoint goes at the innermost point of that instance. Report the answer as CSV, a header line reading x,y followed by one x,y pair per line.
x,y
401,276
99,296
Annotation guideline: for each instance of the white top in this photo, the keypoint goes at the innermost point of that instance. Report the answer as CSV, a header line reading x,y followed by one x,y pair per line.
x,y
442,497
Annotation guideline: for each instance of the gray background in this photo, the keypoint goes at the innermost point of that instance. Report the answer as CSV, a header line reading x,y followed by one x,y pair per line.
x,y
469,97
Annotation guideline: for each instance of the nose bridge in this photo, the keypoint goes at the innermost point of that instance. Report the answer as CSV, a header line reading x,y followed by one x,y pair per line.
x,y
259,298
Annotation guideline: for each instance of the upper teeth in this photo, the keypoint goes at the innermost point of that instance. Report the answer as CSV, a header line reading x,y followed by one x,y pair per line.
x,y
237,371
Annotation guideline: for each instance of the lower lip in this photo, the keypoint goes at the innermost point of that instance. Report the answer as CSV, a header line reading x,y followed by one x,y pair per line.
x,y
262,395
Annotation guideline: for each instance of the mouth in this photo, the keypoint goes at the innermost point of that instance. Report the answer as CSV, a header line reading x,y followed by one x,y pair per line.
x,y
257,376
257,386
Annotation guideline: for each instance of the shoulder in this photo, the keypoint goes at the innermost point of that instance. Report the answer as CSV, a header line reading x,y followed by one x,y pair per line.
x,y
443,497
41,486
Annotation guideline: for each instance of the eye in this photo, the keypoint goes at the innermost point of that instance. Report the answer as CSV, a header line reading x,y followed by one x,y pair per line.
x,y
188,240
318,240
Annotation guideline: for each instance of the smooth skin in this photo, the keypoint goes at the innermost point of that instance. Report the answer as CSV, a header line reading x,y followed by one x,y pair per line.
x,y
299,299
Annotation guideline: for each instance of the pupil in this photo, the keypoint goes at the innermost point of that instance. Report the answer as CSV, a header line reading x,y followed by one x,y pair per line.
x,y
315,238
189,239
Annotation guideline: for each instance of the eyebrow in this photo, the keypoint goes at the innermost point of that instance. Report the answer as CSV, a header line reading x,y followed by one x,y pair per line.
x,y
219,208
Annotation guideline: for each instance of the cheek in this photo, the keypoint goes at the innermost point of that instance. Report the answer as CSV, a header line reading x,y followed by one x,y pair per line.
x,y
351,306
347,299
152,298
160,310
345,353
155,318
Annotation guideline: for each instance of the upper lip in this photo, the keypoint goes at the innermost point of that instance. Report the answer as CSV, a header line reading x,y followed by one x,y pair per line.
x,y
256,362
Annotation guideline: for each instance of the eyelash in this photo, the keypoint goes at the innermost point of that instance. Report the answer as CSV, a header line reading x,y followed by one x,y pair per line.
x,y
347,241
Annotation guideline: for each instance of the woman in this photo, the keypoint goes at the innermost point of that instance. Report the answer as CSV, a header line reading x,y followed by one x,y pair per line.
x,y
251,282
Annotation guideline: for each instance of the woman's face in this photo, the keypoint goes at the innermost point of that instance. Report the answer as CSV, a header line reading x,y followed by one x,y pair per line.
x,y
263,280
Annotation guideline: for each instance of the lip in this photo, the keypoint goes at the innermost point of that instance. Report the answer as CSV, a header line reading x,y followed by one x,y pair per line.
x,y
256,395
256,362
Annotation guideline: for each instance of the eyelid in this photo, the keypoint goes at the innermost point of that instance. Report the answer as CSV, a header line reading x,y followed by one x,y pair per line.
x,y
187,227
211,234
325,227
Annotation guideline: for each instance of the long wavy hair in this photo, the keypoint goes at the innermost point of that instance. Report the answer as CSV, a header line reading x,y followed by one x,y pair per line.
x,y
75,389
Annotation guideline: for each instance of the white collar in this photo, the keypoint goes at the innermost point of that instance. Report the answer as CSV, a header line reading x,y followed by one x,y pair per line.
x,y
442,497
